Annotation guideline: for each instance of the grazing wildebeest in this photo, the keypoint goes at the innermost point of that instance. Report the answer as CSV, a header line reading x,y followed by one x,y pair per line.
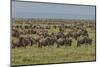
x,y
84,40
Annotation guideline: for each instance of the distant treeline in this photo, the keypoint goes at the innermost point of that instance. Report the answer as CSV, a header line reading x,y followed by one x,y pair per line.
x,y
51,21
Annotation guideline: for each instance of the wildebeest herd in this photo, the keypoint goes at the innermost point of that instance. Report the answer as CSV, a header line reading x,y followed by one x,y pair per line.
x,y
28,33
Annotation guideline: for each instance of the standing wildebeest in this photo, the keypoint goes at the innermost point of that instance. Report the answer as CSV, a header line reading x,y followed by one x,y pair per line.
x,y
46,40
19,42
52,39
84,40
76,35
60,42
68,41
43,42
82,32
22,42
15,42
69,34
15,33
59,35
29,41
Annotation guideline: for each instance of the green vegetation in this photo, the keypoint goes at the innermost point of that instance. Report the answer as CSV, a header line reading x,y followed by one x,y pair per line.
x,y
51,54
33,55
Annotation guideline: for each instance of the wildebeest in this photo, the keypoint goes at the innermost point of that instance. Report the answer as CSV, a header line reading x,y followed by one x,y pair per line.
x,y
59,35
67,41
22,42
60,42
52,40
84,32
79,33
69,34
84,40
15,33
43,42
15,42
76,35
46,41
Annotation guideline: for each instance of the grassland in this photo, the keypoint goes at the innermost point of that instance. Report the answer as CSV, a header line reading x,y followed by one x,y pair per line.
x,y
35,55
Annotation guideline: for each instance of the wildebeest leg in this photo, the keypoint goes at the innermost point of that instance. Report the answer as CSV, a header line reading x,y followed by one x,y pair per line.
x,y
75,38
58,45
18,46
78,44
66,45
50,45
39,45
70,44
86,44
24,45
90,42
31,42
